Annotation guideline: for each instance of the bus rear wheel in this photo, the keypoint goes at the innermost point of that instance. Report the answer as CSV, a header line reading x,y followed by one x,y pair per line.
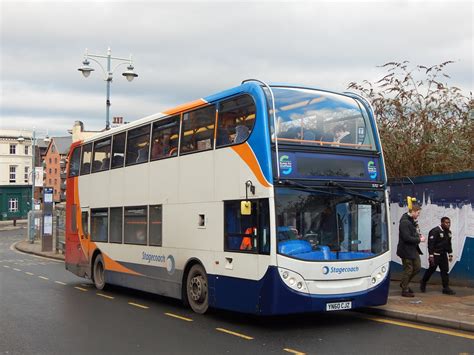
x,y
99,272
197,290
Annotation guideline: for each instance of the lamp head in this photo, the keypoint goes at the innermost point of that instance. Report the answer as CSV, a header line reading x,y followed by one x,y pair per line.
x,y
21,139
86,69
129,73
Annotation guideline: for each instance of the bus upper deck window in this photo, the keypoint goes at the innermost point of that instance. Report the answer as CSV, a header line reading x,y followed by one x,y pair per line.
x,y
198,129
235,121
86,159
75,162
118,150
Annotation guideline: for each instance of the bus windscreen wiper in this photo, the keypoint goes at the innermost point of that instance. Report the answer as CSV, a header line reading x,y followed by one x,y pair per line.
x,y
352,192
306,187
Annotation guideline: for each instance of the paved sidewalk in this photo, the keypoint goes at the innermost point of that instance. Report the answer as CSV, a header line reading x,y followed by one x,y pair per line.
x,y
431,307
35,248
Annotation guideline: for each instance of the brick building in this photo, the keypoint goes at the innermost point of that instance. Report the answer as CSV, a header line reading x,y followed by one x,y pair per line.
x,y
54,164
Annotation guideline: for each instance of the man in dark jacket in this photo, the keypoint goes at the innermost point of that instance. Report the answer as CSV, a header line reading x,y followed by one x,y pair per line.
x,y
439,245
408,249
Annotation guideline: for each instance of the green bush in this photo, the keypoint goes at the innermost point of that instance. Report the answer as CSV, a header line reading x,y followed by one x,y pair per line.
x,y
425,125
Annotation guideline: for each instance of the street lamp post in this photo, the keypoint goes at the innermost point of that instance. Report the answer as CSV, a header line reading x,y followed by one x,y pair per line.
x,y
108,74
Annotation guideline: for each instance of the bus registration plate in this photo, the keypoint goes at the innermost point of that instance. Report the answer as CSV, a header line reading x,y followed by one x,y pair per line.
x,y
338,306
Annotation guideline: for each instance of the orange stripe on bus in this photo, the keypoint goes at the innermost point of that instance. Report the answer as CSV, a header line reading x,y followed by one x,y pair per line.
x,y
247,155
113,265
185,107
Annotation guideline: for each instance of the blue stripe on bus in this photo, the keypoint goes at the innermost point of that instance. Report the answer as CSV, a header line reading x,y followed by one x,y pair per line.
x,y
270,296
259,140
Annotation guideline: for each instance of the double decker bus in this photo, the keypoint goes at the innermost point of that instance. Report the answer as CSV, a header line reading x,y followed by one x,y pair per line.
x,y
263,199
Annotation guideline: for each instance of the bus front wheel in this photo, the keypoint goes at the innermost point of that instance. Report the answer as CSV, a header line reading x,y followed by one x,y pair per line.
x,y
99,272
197,290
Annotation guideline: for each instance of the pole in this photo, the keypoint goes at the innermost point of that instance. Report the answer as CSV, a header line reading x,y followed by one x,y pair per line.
x,y
107,102
33,177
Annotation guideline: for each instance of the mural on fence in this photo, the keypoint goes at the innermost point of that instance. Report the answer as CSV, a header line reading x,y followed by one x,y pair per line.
x,y
449,195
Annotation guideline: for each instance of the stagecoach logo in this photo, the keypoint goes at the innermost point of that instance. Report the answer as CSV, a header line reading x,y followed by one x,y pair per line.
x,y
286,164
161,259
372,169
339,270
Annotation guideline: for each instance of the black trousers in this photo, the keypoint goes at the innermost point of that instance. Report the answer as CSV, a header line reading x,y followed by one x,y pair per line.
x,y
411,267
441,261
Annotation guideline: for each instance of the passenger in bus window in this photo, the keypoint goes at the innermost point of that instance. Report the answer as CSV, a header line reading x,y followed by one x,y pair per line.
x,y
241,133
225,129
161,146
142,155
105,164
247,238
342,135
329,227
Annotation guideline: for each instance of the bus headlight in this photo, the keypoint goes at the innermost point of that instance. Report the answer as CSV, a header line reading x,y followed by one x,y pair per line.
x,y
293,280
379,275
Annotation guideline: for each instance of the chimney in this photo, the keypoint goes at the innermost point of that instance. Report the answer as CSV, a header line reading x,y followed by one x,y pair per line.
x,y
117,120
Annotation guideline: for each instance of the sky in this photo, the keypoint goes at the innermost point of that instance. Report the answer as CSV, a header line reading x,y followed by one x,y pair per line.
x,y
183,51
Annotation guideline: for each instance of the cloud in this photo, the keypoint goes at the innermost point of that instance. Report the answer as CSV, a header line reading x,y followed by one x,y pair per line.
x,y
186,50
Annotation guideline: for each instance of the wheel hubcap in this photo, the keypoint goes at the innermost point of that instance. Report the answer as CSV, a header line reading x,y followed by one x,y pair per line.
x,y
197,288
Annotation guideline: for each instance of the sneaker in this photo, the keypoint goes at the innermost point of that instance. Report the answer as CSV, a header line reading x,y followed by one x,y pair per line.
x,y
407,293
448,291
423,286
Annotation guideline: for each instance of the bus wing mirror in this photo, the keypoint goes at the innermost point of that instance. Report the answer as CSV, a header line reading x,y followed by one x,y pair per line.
x,y
245,208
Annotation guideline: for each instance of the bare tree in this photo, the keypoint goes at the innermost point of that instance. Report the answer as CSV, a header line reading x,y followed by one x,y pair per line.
x,y
424,124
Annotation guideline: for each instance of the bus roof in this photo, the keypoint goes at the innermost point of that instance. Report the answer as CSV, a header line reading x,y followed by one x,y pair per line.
x,y
246,85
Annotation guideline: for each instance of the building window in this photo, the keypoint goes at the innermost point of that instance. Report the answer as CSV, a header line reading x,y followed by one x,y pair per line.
x,y
135,225
55,171
50,161
99,224
198,130
55,181
26,150
49,182
155,222
13,205
12,148
12,173
50,170
55,160
26,173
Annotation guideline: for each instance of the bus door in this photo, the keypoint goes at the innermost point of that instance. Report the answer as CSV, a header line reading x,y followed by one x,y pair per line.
x,y
246,253
84,232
